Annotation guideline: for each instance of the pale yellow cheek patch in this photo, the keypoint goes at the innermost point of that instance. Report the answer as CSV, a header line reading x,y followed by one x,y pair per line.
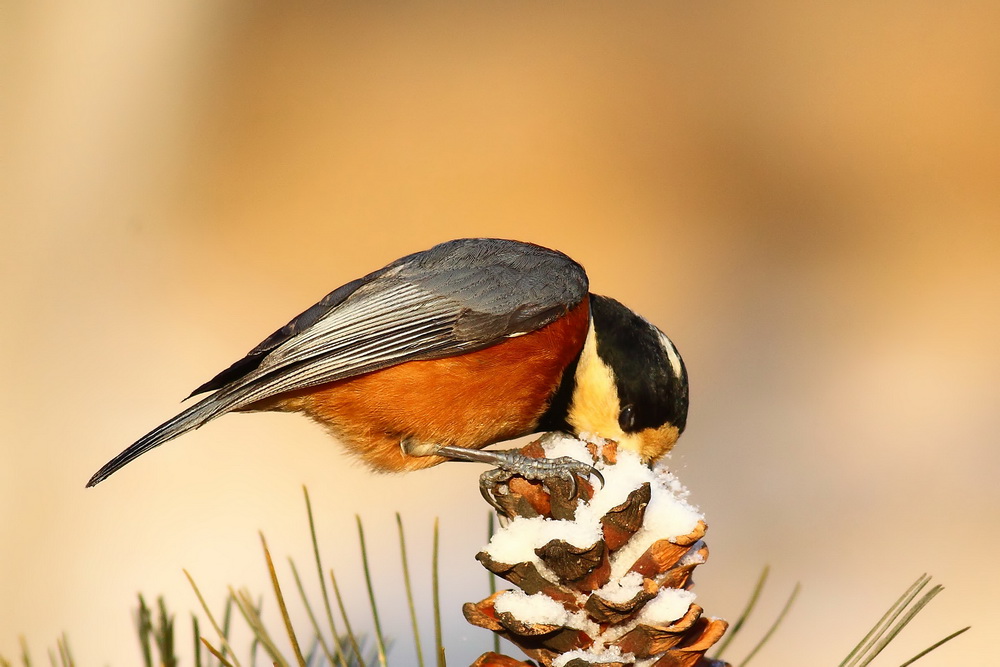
x,y
595,400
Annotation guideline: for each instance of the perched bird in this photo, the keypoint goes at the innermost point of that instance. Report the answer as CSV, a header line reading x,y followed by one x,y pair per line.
x,y
446,351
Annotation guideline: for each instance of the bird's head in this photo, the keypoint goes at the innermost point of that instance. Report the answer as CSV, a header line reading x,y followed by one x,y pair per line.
x,y
630,383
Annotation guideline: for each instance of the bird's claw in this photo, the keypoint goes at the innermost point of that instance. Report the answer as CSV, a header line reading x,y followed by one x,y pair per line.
x,y
542,470
512,463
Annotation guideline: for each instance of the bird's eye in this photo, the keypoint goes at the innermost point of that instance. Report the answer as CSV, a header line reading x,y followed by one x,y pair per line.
x,y
626,418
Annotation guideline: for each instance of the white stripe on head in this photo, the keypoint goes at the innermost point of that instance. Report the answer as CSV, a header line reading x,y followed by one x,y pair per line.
x,y
672,354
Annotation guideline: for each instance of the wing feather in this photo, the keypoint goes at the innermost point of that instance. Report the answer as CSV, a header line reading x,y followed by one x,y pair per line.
x,y
457,297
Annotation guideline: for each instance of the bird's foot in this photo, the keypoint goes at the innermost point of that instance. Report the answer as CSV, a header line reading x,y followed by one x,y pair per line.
x,y
511,463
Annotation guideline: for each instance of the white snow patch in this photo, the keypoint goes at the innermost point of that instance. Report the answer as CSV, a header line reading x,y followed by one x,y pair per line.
x,y
540,609
610,654
517,542
536,609
560,444
669,605
621,590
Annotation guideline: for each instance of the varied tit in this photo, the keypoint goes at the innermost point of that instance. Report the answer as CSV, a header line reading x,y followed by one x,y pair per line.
x,y
446,351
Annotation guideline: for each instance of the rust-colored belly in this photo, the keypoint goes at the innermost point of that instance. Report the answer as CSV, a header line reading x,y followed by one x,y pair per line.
x,y
468,400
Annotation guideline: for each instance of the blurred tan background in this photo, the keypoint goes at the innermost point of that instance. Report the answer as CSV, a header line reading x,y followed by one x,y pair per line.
x,y
804,196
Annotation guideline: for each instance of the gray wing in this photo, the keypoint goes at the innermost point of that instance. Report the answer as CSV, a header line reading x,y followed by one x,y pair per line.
x,y
456,297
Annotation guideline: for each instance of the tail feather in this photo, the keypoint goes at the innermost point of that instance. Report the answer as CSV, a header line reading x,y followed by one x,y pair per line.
x,y
193,417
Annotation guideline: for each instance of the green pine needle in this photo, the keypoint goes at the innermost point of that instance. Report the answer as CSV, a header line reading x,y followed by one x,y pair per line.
x,y
774,626
281,604
197,644
320,641
379,640
144,624
25,654
251,614
934,646
887,618
751,604
65,657
902,623
409,591
208,612
436,586
227,622
337,645
164,635
888,627
216,653
351,637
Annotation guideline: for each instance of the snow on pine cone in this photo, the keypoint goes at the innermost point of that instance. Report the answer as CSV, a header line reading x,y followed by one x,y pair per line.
x,y
604,578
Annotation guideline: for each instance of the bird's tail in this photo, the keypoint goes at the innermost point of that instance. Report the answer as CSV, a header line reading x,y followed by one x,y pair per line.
x,y
193,417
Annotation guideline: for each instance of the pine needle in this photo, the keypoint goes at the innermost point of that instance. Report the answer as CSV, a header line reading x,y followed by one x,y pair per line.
x,y
887,618
902,623
256,643
774,626
436,586
197,643
25,654
347,623
251,613
164,635
322,582
227,622
379,641
312,617
888,627
281,604
144,625
211,619
215,652
409,591
751,603
934,646
64,655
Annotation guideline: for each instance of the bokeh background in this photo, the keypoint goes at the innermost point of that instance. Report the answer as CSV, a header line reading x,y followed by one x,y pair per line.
x,y
803,195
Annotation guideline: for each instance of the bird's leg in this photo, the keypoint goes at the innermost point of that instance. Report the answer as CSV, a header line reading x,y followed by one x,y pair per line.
x,y
511,463
412,447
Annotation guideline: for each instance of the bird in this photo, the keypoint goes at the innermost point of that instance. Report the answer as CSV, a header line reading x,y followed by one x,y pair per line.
x,y
443,352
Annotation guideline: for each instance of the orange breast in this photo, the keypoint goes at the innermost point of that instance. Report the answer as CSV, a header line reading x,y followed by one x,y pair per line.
x,y
469,400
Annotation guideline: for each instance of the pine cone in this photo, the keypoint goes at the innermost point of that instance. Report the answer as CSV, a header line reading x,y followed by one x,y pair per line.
x,y
605,578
